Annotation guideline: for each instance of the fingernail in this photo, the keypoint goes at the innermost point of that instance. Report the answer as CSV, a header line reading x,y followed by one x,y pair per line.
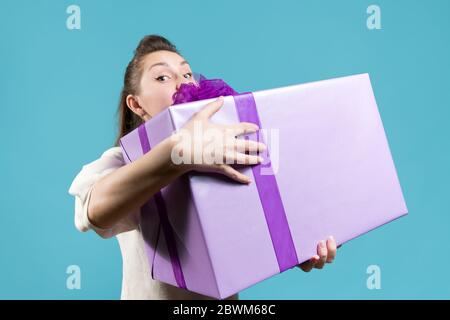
x,y
322,243
331,238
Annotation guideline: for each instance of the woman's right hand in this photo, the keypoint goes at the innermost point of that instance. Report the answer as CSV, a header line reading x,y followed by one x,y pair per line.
x,y
204,146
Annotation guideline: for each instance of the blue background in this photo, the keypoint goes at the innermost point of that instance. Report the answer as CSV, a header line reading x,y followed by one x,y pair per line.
x,y
59,94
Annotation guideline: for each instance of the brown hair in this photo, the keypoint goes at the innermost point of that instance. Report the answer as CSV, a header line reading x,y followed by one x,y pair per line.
x,y
128,120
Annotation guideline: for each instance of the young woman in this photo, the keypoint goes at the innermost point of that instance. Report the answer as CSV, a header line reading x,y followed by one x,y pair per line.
x,y
108,193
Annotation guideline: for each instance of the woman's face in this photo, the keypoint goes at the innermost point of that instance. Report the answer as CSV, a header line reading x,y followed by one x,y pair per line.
x,y
162,74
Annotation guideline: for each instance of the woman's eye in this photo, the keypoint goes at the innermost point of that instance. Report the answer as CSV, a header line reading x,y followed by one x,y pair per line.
x,y
162,78
189,75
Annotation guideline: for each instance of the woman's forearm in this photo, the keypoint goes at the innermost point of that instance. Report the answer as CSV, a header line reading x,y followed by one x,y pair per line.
x,y
129,187
117,194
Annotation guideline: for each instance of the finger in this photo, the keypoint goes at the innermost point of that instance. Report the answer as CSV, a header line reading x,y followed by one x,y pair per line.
x,y
211,108
307,266
242,128
242,145
233,157
232,173
331,247
322,252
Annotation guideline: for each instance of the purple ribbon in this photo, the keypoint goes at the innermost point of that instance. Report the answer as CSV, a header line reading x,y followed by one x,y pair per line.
x,y
162,211
268,191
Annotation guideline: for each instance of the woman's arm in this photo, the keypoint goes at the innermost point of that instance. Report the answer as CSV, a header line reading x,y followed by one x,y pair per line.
x,y
129,187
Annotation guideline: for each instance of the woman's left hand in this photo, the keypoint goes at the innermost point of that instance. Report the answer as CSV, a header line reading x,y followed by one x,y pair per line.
x,y
326,252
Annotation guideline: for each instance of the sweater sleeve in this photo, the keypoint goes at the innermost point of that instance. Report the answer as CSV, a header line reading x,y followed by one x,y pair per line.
x,y
82,186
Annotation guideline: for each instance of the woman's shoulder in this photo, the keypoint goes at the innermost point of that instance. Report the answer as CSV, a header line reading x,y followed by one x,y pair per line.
x,y
110,158
114,152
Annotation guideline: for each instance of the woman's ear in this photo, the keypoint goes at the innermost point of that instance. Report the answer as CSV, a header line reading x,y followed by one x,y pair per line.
x,y
133,104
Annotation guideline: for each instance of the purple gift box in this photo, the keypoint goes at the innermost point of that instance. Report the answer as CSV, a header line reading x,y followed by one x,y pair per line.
x,y
327,171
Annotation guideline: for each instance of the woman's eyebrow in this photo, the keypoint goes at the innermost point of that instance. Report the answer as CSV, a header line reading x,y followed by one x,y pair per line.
x,y
165,64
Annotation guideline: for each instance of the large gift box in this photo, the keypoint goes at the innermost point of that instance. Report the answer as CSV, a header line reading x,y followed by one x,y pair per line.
x,y
327,171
